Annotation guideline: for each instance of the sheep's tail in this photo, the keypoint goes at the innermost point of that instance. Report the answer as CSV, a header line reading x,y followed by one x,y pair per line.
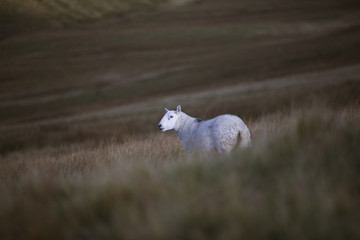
x,y
244,138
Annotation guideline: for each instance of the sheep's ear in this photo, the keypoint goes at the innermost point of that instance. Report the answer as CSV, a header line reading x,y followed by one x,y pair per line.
x,y
178,109
166,110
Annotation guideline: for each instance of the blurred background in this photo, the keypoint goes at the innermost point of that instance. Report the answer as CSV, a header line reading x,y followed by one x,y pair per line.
x,y
90,70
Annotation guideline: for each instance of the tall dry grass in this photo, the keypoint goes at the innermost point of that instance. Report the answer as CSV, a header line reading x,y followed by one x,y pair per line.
x,y
300,180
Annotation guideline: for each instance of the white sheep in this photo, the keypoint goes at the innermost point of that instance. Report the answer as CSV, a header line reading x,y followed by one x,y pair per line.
x,y
221,133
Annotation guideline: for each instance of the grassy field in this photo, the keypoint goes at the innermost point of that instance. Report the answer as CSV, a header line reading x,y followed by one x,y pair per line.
x,y
83,87
299,180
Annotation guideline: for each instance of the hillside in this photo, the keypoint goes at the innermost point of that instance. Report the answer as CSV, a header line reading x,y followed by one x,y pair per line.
x,y
93,67
18,16
84,85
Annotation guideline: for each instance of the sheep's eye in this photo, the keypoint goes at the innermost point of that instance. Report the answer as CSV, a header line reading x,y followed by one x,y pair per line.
x,y
171,116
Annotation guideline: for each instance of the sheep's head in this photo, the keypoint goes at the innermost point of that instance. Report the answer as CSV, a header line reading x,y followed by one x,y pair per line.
x,y
169,120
